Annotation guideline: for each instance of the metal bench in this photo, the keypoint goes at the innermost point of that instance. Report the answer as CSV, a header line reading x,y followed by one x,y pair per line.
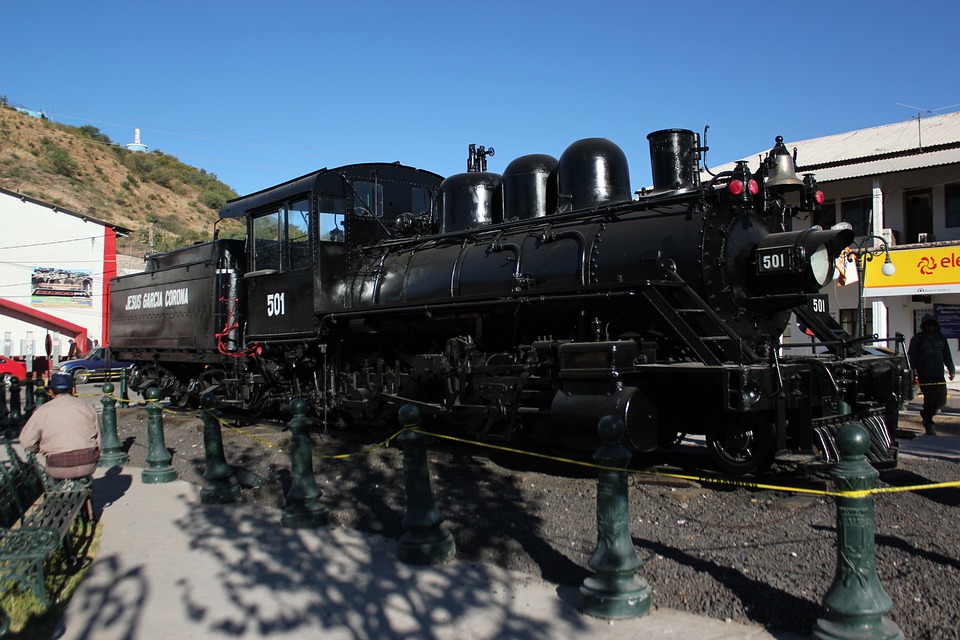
x,y
36,514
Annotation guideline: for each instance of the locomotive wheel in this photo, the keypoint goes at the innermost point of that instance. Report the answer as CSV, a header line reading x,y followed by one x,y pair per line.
x,y
744,448
185,400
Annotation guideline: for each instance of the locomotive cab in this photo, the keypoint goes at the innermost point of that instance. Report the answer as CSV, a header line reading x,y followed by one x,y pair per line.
x,y
302,237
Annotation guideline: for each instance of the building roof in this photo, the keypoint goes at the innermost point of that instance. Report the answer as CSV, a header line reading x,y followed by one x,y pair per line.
x,y
914,144
123,231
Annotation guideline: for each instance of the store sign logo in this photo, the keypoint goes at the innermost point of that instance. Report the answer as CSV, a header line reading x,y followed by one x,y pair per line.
x,y
928,264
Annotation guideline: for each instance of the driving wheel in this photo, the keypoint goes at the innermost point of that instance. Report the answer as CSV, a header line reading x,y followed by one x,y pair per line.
x,y
743,447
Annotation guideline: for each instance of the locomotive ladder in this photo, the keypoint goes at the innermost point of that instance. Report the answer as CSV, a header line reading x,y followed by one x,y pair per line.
x,y
696,324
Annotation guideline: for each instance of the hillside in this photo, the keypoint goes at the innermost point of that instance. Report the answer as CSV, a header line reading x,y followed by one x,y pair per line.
x,y
81,169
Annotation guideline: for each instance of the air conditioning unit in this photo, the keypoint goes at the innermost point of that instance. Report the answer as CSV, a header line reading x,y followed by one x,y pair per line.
x,y
889,237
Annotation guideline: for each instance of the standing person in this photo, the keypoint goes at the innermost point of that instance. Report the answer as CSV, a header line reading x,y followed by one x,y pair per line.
x,y
72,352
65,430
929,353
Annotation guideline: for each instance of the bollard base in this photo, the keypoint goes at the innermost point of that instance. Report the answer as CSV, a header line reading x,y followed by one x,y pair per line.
x,y
220,495
157,476
629,598
874,628
113,459
305,517
426,547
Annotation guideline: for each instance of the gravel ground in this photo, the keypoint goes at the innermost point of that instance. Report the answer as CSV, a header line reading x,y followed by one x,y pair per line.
x,y
752,556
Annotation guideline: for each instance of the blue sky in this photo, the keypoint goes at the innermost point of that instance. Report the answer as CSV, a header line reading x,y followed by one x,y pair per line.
x,y
261,92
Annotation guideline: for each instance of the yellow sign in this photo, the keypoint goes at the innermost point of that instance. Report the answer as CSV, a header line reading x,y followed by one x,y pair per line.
x,y
922,271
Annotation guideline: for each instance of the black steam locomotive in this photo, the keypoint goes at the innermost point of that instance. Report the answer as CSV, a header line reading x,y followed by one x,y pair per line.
x,y
524,306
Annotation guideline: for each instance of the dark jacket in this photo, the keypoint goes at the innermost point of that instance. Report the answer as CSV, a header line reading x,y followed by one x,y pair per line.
x,y
929,353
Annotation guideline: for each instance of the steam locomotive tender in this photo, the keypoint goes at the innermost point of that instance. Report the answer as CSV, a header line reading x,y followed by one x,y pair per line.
x,y
523,306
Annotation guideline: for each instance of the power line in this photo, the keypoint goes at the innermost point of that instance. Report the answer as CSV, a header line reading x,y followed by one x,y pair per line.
x,y
43,244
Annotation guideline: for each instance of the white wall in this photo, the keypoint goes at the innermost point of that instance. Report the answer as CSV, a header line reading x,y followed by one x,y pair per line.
x,y
35,236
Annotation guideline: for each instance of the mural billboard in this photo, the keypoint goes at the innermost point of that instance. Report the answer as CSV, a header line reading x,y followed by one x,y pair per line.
x,y
61,288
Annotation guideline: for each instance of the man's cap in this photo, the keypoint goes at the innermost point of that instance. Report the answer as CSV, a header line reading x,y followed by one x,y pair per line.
x,y
61,382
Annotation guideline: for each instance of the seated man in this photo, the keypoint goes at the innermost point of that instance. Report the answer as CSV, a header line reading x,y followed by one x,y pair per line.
x,y
65,430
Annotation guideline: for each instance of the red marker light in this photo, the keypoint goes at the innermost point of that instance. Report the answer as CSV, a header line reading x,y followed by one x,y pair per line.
x,y
753,187
819,197
735,187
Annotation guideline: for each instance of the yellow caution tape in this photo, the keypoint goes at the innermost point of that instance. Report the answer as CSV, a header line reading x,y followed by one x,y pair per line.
x,y
248,435
385,443
745,484
729,482
918,487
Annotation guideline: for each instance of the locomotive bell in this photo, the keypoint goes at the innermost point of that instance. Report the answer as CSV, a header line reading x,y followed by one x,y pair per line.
x,y
781,168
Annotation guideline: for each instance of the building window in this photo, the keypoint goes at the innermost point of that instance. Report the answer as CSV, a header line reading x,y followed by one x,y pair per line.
x,y
827,216
918,315
918,215
951,195
859,213
848,320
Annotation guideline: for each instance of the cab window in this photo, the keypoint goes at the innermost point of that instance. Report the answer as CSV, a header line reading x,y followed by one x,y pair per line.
x,y
267,233
298,234
281,237
421,200
331,213
368,199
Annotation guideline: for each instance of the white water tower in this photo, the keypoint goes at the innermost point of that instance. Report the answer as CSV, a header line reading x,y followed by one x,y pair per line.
x,y
135,145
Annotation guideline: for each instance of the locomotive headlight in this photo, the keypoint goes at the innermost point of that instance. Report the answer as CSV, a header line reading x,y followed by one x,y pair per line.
x,y
821,266
798,262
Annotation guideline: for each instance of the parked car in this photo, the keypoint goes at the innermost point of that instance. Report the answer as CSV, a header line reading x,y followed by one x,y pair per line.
x,y
10,368
93,366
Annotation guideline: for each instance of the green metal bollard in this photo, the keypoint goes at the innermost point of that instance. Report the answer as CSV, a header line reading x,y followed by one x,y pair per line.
x,y
158,456
28,395
423,542
39,395
615,591
4,412
221,486
303,509
15,417
856,602
124,397
112,454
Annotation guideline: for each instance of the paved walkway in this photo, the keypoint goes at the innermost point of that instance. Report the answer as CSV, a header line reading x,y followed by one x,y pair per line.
x,y
171,567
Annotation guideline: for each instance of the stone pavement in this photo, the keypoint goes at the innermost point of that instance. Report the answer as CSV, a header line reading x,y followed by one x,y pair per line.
x,y
171,567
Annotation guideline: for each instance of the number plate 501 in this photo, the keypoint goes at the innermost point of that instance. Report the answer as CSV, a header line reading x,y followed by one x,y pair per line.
x,y
773,261
276,305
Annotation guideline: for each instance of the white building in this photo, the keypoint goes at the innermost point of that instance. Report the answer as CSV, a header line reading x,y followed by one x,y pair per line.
x,y
55,271
900,182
